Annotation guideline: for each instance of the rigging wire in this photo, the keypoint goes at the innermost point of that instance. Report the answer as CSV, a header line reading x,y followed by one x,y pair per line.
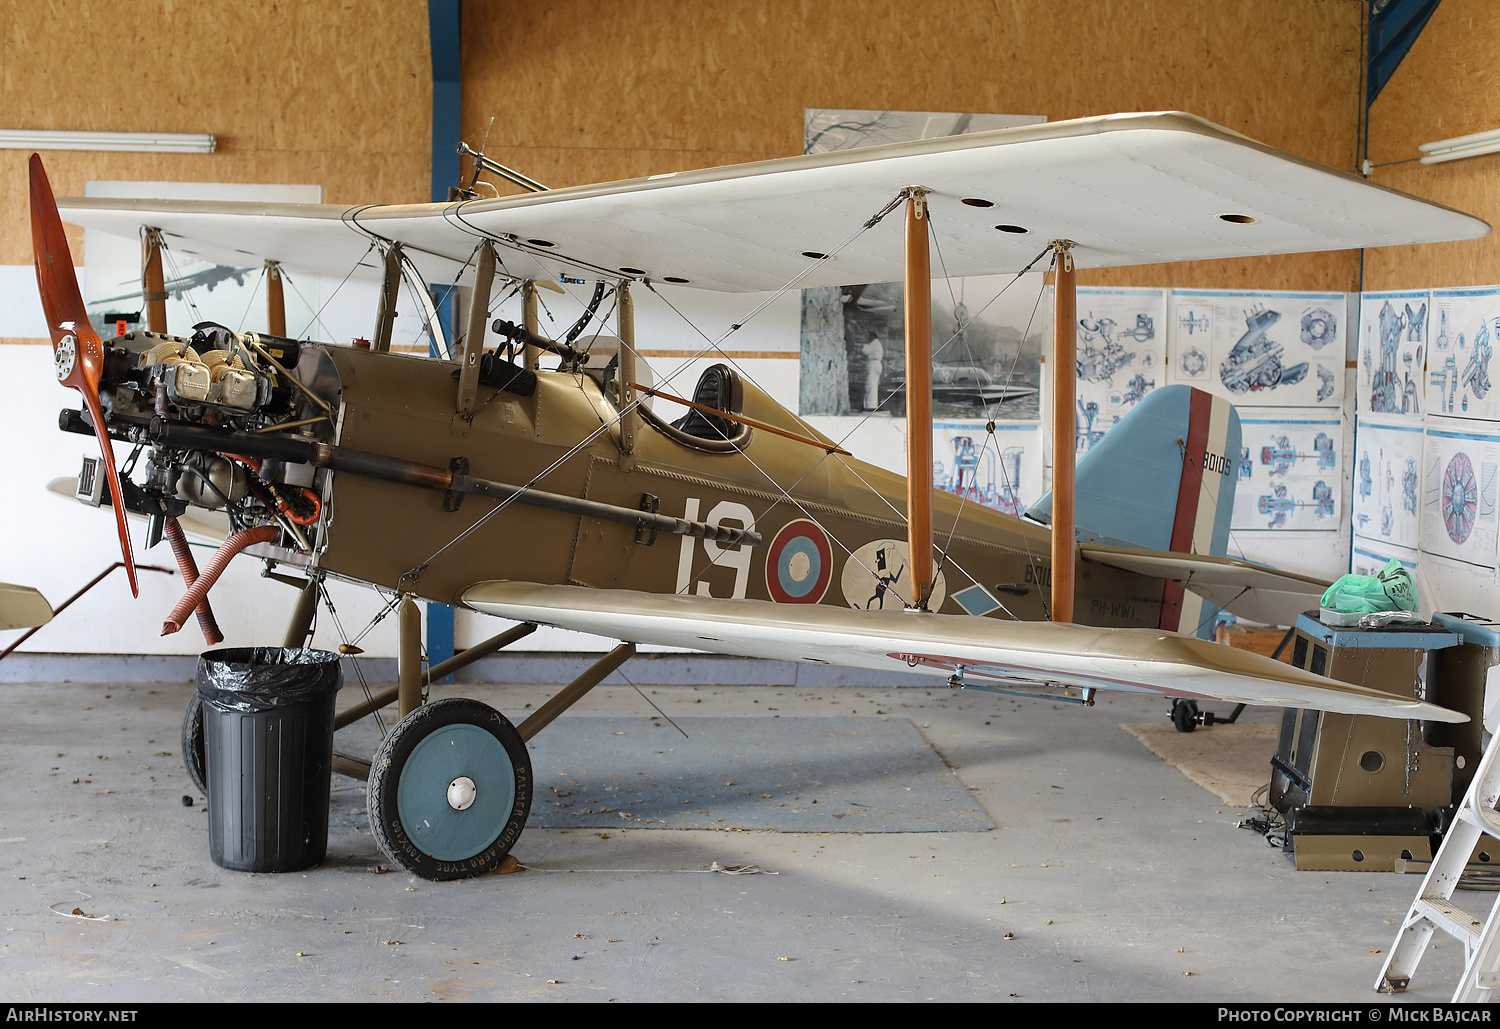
x,y
344,639
958,333
660,713
899,514
169,261
410,279
254,292
317,318
603,428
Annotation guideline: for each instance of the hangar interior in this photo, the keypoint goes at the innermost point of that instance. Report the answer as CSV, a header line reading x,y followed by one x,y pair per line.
x,y
1042,860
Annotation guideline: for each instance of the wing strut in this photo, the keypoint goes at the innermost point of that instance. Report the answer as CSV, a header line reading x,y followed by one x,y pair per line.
x,y
1064,428
918,398
275,300
153,284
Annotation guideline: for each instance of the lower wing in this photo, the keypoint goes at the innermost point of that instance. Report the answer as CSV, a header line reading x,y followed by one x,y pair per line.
x,y
1022,653
22,607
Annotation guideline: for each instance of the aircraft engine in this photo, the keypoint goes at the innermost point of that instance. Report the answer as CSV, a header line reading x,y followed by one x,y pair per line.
x,y
247,384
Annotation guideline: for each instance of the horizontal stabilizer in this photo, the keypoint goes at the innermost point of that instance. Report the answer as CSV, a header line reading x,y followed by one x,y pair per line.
x,y
1020,653
22,607
1253,591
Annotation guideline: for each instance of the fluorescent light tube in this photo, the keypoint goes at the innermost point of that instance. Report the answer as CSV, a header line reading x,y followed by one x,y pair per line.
x,y
1472,145
144,142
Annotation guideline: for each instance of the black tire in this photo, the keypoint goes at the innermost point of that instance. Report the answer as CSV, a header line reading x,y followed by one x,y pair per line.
x,y
1185,715
193,758
417,769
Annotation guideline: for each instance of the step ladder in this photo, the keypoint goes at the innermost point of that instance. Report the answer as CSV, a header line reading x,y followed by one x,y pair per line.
x,y
1434,908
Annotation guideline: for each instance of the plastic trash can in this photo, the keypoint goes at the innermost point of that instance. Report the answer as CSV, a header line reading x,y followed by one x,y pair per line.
x,y
268,754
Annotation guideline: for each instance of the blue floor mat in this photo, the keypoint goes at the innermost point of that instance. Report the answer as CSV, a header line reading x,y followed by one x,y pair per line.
x,y
787,774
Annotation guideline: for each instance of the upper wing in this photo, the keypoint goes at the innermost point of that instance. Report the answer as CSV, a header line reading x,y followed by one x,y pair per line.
x,y
1128,189
1253,591
1033,653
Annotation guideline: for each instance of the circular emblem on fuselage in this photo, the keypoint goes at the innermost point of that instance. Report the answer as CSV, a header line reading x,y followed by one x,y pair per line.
x,y
876,578
799,563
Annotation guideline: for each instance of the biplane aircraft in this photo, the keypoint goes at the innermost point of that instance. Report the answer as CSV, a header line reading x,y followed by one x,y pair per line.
x,y
531,479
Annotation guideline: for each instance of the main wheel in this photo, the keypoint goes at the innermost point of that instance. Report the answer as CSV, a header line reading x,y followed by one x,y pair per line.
x,y
192,744
450,789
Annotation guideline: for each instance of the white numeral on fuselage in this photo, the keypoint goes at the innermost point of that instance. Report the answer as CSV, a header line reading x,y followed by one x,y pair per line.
x,y
736,557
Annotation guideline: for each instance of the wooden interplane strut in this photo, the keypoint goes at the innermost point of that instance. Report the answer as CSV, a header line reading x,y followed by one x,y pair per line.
x,y
1064,428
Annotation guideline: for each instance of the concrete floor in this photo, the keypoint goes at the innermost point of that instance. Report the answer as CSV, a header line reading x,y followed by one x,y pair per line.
x,y
1110,877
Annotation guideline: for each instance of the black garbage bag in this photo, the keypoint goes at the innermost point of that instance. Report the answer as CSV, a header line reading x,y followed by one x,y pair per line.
x,y
252,679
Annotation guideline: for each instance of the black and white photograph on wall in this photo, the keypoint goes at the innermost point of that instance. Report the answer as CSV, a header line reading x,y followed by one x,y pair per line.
x,y
987,343
987,332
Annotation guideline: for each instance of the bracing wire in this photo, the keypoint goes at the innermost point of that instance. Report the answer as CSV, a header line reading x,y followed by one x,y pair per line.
x,y
591,437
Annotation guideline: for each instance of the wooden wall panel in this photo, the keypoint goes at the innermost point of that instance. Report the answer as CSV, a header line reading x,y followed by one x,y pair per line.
x,y
1447,86
584,90
337,93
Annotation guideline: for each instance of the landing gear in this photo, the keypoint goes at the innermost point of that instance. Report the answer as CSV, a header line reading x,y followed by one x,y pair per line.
x,y
192,744
1185,715
450,789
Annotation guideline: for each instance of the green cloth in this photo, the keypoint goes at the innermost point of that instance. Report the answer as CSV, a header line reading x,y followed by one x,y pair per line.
x,y
1392,590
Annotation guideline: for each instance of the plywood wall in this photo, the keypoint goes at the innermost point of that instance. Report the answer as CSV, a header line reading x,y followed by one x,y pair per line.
x,y
1447,86
585,91
336,92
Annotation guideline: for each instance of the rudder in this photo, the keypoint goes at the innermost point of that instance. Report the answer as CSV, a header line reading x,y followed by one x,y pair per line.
x,y
1162,479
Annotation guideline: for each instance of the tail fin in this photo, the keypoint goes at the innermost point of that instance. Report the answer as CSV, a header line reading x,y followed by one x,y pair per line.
x,y
1162,479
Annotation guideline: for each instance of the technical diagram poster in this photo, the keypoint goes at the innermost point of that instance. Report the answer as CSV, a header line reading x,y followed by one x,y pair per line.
x,y
1370,560
1392,354
1458,495
1003,469
1000,468
1122,343
1387,481
1288,471
1460,363
1263,349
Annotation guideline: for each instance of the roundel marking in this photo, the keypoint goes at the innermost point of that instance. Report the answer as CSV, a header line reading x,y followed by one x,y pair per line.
x,y
799,563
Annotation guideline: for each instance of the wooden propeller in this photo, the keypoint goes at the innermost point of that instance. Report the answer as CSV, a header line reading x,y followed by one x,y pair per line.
x,y
76,348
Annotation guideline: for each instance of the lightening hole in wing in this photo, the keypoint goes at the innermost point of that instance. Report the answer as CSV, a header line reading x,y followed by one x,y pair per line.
x,y
1012,228
541,242
1237,219
633,271
814,255
977,202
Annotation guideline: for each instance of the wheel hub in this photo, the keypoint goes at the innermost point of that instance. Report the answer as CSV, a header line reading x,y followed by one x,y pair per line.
x,y
461,793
